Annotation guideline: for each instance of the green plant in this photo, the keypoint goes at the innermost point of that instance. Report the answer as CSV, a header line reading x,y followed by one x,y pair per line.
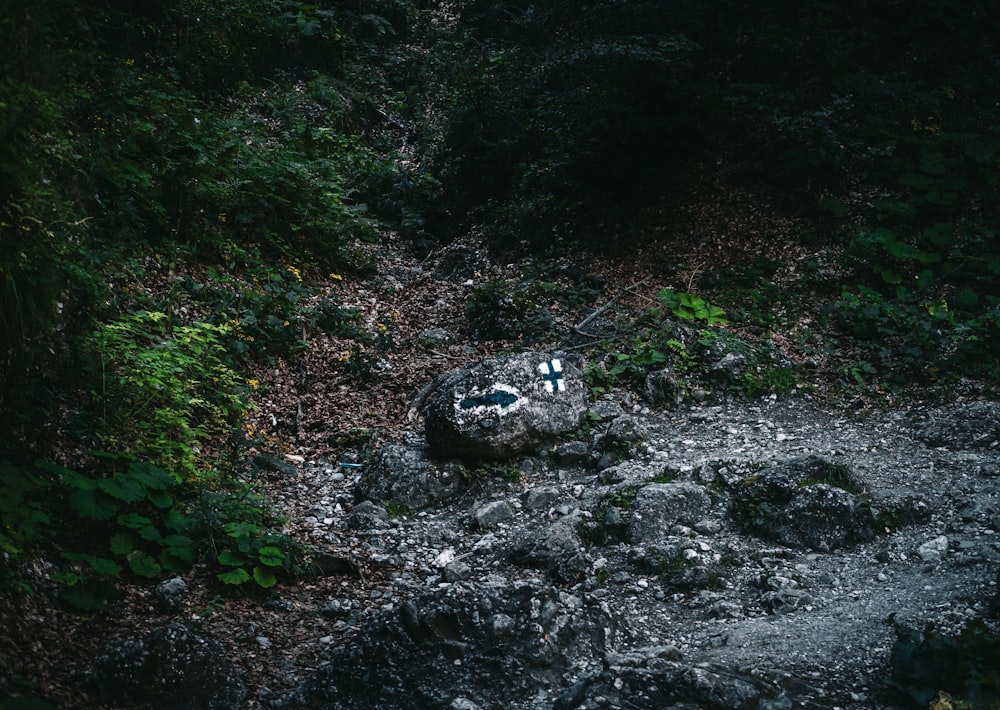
x,y
164,391
682,359
241,530
131,519
140,521
636,363
691,307
857,372
395,508
249,548
599,380
24,519
765,379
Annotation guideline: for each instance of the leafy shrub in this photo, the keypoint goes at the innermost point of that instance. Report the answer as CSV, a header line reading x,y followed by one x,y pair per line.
x,y
166,391
24,519
242,533
140,521
691,307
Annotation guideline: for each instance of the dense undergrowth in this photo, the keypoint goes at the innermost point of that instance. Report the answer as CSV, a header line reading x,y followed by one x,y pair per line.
x,y
179,180
176,181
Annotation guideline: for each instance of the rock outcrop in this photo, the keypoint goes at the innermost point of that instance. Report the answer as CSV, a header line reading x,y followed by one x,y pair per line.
x,y
471,644
970,426
170,668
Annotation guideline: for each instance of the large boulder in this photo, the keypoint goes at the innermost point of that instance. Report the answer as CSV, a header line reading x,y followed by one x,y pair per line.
x,y
807,502
779,483
655,678
170,668
969,426
405,476
489,645
658,507
555,548
504,406
824,518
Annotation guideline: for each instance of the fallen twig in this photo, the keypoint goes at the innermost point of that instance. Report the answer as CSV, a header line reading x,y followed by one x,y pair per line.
x,y
578,328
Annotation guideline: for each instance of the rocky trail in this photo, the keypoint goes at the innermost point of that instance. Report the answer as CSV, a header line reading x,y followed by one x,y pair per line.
x,y
815,624
722,553
691,611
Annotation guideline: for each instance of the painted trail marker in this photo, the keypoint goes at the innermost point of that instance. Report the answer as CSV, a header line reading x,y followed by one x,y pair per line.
x,y
552,375
502,398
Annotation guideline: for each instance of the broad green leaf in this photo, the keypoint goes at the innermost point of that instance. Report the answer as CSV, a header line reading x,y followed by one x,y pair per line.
x,y
100,565
264,577
67,578
160,499
123,488
233,576
93,504
238,530
122,544
271,556
143,565
177,521
180,546
230,559
55,468
133,520
151,533
152,477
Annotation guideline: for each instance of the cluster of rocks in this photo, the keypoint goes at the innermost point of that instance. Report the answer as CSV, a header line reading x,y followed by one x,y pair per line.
x,y
548,552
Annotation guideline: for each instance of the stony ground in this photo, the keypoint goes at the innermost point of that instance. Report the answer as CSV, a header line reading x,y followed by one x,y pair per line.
x,y
831,636
815,623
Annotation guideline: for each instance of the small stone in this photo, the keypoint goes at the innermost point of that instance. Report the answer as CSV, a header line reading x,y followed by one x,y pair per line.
x,y
170,594
436,337
457,571
336,608
366,515
572,452
708,526
729,367
605,409
492,513
535,498
445,558
264,642
933,550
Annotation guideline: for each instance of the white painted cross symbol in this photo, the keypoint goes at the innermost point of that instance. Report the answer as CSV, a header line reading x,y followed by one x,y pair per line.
x,y
552,374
